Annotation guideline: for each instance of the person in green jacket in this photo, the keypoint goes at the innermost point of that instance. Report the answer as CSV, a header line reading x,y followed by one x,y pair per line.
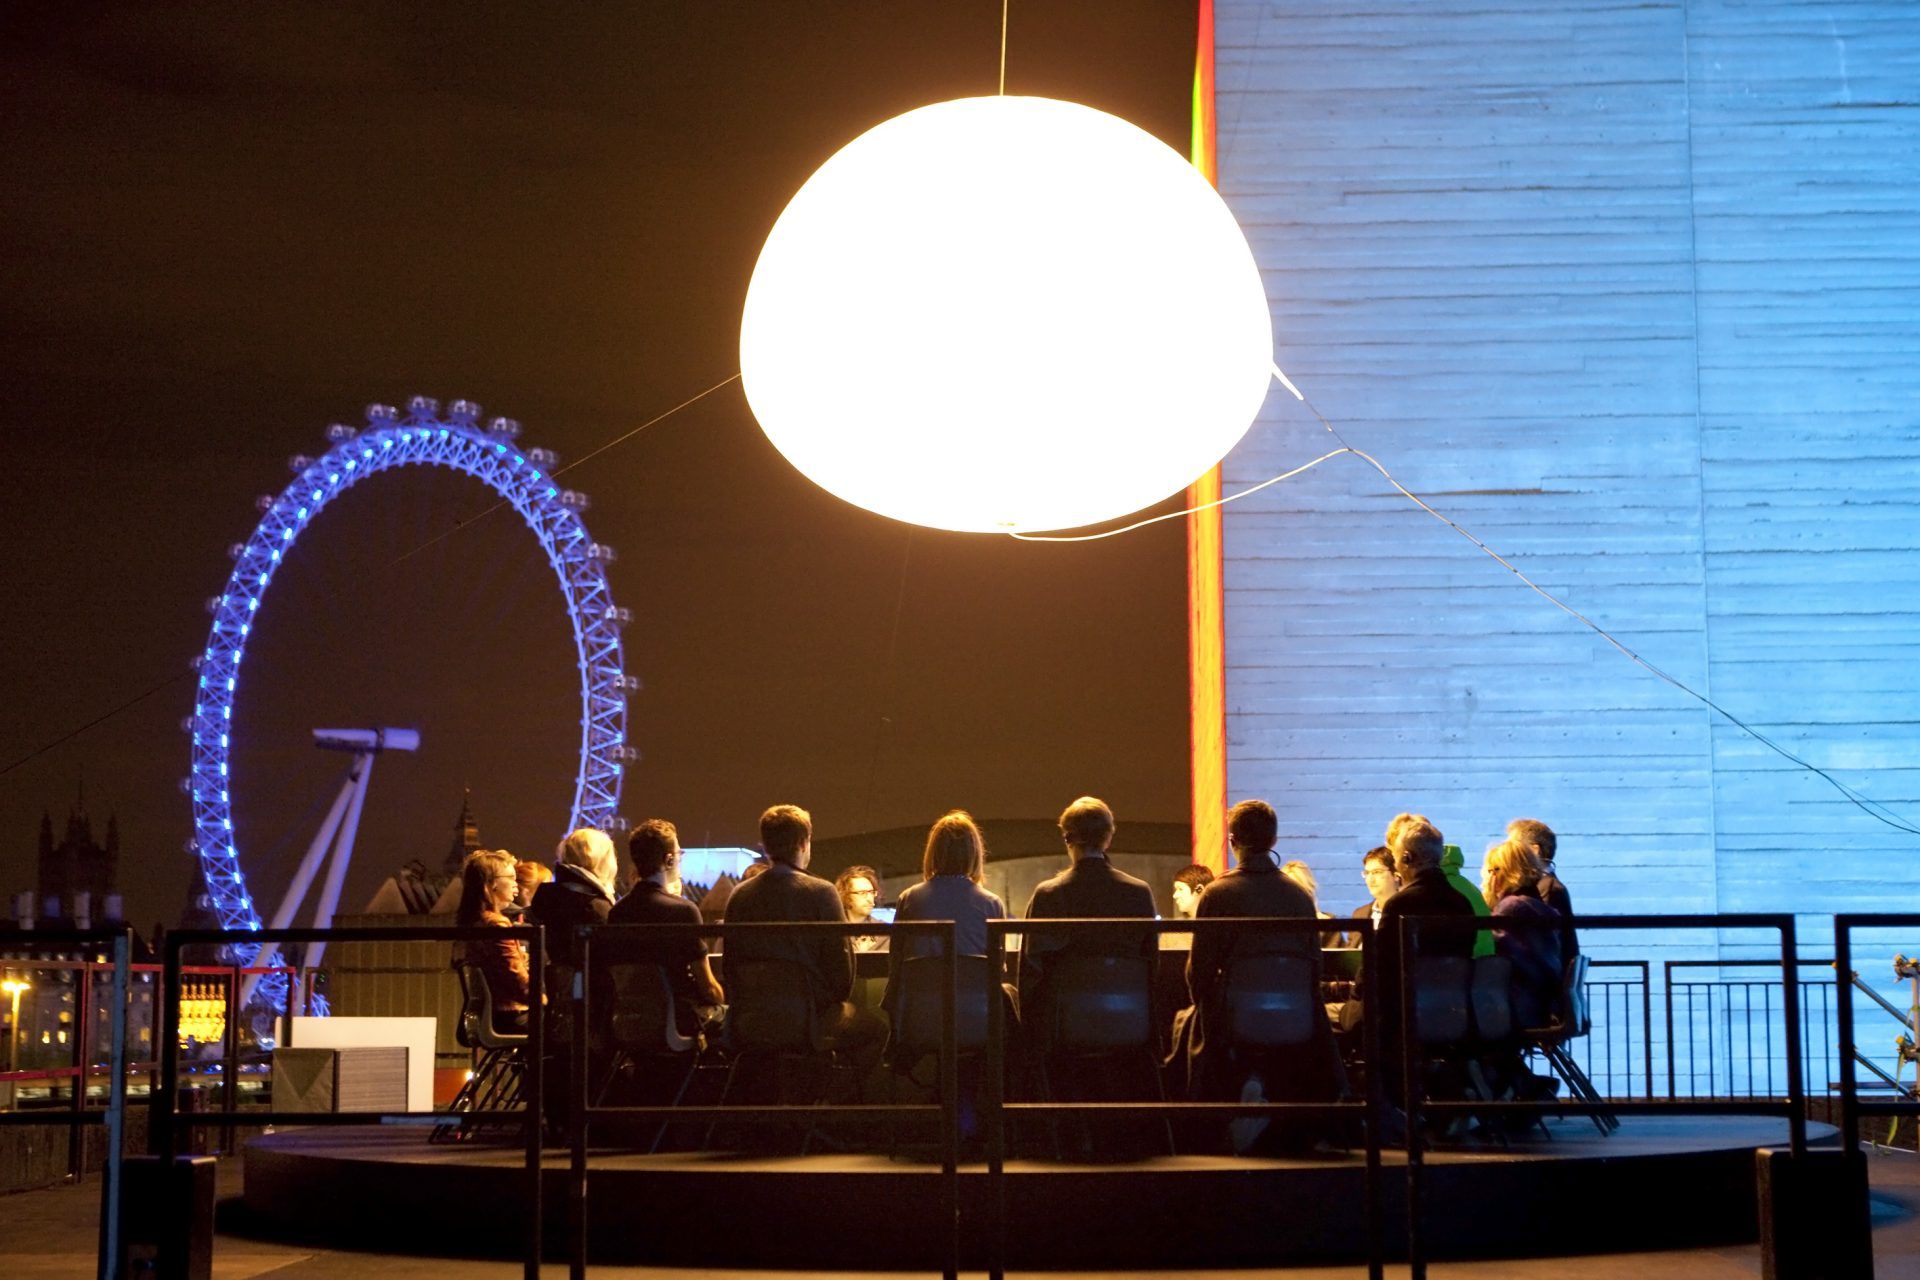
x,y
1450,862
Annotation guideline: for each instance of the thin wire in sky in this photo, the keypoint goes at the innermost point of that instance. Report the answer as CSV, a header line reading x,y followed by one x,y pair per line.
x,y
1872,808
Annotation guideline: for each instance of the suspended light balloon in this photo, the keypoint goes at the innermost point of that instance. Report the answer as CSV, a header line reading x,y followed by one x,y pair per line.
x,y
1005,313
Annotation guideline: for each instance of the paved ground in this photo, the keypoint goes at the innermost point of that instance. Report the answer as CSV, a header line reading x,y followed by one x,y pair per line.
x,y
49,1235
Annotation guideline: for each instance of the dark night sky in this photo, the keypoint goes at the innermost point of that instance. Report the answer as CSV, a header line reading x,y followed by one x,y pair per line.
x,y
226,227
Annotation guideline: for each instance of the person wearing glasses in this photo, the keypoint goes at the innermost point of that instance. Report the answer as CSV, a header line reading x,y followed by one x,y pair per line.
x,y
487,887
859,889
1376,868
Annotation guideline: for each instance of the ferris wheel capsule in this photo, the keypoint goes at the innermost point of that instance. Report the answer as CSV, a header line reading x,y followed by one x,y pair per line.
x,y
380,415
464,412
505,428
422,407
340,432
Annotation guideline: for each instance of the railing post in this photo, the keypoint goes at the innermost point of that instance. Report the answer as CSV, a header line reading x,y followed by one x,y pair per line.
x,y
82,1060
950,1099
110,1160
1370,1015
1666,999
1646,1021
165,1098
1849,1077
230,1059
536,1084
1790,1011
577,1109
996,1116
1410,1087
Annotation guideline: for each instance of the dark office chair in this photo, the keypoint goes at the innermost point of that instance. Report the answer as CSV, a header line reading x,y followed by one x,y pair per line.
x,y
1097,1007
772,1019
495,1083
641,1030
917,1019
1269,1002
1572,1019
918,1001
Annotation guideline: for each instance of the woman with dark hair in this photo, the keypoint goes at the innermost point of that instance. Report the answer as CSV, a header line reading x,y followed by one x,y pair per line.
x,y
487,885
951,869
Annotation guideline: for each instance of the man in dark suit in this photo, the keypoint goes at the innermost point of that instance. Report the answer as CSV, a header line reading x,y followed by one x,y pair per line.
x,y
1254,889
785,892
654,848
1091,888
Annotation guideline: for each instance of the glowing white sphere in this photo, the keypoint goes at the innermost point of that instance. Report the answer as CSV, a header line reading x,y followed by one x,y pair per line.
x,y
1005,314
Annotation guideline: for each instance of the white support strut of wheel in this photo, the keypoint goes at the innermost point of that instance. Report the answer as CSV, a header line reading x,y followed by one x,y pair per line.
x,y
523,479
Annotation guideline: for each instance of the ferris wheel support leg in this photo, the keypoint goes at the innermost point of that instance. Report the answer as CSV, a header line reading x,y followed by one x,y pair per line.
x,y
303,877
342,855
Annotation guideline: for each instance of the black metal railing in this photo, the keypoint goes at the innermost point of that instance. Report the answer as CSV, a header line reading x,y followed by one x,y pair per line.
x,y
168,1123
1726,1033
1368,1109
1792,1106
581,1115
1852,1106
113,1117
1625,1052
1618,1054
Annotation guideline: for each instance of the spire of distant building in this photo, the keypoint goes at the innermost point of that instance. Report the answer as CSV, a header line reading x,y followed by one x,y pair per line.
x,y
76,876
466,835
79,828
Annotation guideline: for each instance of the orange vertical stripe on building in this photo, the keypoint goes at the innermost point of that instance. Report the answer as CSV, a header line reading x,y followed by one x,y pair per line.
x,y
1206,613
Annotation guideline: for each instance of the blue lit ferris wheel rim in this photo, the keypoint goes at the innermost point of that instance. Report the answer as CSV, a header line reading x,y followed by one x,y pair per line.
x,y
390,441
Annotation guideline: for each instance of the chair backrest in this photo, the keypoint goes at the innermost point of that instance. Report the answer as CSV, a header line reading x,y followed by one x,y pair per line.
x,y
1491,994
1575,1016
1441,999
642,1020
476,1010
1269,1002
770,1008
918,999
1098,1004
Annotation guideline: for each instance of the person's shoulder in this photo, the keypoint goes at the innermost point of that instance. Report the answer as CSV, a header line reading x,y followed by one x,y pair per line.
x,y
813,886
1132,881
745,895
1364,909
1053,884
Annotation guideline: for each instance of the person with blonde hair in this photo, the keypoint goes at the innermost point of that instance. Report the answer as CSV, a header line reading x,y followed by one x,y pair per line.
x,y
1297,870
1510,879
580,893
487,885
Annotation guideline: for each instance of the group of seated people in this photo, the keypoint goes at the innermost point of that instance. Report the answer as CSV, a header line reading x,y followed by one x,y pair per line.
x,y
1415,873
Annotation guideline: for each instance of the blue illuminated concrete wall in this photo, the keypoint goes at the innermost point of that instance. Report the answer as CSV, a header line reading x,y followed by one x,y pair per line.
x,y
1632,292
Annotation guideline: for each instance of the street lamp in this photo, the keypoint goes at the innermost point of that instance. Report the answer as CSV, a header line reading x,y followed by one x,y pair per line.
x,y
13,987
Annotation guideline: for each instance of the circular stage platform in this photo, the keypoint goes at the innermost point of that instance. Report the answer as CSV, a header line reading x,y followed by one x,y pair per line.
x,y
1656,1183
